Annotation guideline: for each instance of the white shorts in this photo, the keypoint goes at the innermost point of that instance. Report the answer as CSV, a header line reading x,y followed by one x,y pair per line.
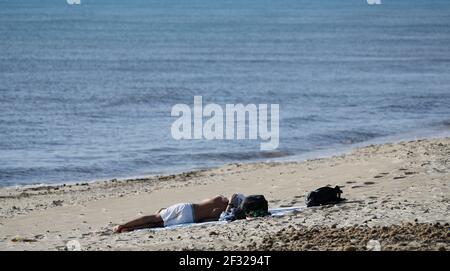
x,y
181,213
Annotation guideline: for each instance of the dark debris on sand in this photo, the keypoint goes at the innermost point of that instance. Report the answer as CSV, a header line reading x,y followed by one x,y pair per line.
x,y
397,237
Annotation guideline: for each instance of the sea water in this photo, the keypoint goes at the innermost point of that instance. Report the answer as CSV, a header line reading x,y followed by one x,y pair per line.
x,y
86,90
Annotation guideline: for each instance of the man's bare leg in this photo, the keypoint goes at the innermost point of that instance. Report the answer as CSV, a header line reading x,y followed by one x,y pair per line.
x,y
151,221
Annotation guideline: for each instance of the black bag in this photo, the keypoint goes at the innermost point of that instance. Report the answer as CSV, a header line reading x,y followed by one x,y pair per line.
x,y
324,195
254,206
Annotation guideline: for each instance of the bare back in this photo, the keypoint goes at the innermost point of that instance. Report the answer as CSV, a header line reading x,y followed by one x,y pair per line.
x,y
210,209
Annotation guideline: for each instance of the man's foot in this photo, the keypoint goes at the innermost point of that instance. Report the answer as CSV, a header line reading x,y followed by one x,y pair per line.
x,y
119,229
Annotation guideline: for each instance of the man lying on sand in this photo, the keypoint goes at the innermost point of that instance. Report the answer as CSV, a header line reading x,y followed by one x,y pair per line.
x,y
182,213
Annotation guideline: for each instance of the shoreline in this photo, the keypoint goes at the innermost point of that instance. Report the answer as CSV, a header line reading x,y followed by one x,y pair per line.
x,y
336,150
386,185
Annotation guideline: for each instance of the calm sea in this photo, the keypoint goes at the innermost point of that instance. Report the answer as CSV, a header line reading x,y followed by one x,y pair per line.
x,y
86,90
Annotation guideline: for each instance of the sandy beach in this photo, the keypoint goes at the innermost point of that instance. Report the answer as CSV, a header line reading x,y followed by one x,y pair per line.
x,y
397,194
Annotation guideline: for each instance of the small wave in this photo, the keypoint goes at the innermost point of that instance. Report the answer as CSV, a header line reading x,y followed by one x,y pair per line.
x,y
294,121
445,123
236,156
23,172
153,96
345,136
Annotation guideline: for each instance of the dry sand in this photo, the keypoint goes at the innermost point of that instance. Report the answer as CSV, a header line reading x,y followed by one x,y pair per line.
x,y
394,192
